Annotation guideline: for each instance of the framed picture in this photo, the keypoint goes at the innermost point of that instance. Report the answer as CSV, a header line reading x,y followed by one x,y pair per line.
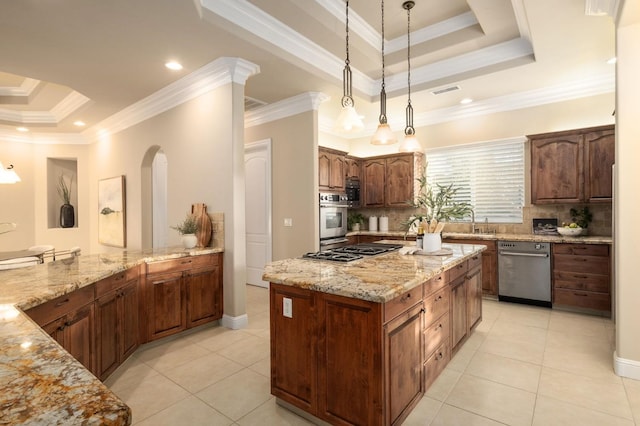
x,y
112,229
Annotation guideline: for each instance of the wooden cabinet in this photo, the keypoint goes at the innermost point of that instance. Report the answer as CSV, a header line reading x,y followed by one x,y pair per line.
x,y
465,283
117,325
353,168
390,181
572,166
582,276
69,319
182,293
474,296
331,169
436,327
489,264
458,313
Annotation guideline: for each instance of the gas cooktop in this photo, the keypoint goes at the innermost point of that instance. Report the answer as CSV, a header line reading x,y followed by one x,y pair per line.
x,y
352,252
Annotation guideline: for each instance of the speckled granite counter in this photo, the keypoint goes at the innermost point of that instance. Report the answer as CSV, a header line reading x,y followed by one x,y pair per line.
x,y
491,237
40,383
377,278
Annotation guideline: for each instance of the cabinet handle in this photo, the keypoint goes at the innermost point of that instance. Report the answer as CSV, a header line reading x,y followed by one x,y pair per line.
x,y
184,262
439,356
438,298
62,302
580,294
423,310
119,277
439,326
580,277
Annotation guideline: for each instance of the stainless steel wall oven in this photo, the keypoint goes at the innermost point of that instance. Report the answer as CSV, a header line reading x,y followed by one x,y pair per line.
x,y
333,220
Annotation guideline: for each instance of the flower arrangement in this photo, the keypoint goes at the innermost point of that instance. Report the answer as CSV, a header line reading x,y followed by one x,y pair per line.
x,y
188,226
64,191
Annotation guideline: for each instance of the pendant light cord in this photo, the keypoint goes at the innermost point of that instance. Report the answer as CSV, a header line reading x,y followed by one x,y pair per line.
x,y
347,99
409,130
383,92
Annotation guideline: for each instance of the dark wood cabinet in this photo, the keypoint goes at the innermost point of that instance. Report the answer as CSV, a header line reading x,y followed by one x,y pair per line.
x,y
489,264
582,276
474,296
353,168
117,324
373,190
331,169
390,181
165,303
458,308
572,166
203,290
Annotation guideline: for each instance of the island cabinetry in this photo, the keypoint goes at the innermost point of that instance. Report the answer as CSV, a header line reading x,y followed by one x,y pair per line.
x,y
474,291
489,264
572,166
117,325
436,327
331,169
582,276
181,293
465,283
69,319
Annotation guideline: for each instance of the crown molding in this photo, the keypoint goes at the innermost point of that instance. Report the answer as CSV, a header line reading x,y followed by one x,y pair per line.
x,y
42,138
69,104
309,101
72,102
359,26
215,74
27,86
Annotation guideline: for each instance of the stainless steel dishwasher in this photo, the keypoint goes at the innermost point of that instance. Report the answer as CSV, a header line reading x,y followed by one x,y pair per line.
x,y
524,272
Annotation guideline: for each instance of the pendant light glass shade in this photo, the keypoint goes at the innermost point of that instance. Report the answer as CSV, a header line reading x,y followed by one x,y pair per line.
x,y
348,120
410,143
383,135
8,175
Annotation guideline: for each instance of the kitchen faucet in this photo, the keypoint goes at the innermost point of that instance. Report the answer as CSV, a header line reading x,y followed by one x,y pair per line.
x,y
473,222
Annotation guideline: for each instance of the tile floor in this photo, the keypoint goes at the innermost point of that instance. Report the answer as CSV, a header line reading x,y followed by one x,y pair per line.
x,y
522,366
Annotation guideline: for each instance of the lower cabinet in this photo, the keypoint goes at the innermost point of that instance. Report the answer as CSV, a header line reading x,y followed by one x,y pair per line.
x,y
465,283
459,325
489,263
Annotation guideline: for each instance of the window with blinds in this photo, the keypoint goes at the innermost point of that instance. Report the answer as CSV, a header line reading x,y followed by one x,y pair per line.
x,y
490,176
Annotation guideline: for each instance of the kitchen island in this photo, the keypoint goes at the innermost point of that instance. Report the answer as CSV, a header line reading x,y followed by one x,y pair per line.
x,y
40,382
359,343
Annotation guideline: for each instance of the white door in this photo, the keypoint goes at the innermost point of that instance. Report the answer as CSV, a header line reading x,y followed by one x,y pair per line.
x,y
257,161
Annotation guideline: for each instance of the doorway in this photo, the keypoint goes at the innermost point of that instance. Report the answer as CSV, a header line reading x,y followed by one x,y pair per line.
x,y
257,161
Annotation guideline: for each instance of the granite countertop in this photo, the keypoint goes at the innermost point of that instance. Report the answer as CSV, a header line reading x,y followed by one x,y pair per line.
x,y
595,239
377,278
41,383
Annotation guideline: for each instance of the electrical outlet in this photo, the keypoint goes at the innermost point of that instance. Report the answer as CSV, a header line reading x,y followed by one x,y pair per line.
x,y
288,221
287,307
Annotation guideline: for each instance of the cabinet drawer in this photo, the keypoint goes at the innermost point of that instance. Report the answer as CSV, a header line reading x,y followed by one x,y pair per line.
x,y
582,299
435,284
436,334
581,264
582,249
434,365
182,264
457,271
436,304
581,281
474,261
401,303
113,282
62,305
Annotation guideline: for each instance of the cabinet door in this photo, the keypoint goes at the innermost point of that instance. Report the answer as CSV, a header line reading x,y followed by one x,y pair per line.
x,y
129,319
599,158
324,170
458,312
403,362
79,335
353,167
399,181
336,176
557,170
107,347
374,183
166,304
203,297
474,297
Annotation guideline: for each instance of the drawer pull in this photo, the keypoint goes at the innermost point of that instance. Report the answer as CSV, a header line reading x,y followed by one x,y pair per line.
x,y
439,356
439,326
580,277
186,262
423,310
119,277
580,294
437,299
63,302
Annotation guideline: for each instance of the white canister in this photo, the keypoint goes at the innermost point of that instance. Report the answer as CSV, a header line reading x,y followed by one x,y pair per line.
x,y
383,223
373,223
432,242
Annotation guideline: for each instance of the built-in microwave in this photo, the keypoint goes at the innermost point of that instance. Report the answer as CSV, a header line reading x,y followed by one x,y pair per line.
x,y
353,192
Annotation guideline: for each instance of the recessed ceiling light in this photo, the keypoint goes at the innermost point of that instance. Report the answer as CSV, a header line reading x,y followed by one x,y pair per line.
x,y
79,123
22,129
466,101
612,60
173,65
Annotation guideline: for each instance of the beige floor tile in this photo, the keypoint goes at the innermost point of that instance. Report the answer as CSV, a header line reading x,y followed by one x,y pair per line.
x,y
271,414
190,411
263,367
531,316
573,323
202,372
221,338
131,372
453,416
518,333
442,386
248,351
493,400
423,413
237,395
633,395
258,324
551,412
151,396
507,371
520,350
586,359
597,394
461,359
171,355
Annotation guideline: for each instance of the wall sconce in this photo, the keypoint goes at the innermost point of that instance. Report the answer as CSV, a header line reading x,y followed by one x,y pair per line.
x,y
8,175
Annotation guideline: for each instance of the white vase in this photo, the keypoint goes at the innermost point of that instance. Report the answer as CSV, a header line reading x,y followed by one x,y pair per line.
x,y
189,240
432,242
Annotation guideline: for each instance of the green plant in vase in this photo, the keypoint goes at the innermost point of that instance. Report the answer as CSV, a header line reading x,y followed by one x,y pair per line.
x,y
188,228
354,221
582,217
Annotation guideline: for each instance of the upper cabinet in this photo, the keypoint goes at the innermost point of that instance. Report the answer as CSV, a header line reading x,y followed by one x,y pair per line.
x,y
331,169
572,166
353,168
390,180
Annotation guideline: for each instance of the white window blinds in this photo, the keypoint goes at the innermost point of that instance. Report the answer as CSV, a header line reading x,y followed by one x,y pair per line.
x,y
490,176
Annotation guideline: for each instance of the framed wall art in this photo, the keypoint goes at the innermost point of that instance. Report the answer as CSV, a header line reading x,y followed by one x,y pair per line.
x,y
112,229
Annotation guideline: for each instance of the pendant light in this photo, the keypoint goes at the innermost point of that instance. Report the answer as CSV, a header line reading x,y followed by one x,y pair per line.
x,y
383,135
410,143
8,175
348,120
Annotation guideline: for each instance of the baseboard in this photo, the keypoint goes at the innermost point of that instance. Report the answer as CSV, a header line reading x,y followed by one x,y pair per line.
x,y
626,367
234,323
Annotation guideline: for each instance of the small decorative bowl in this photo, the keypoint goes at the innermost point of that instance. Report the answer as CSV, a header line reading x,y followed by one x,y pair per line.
x,y
569,232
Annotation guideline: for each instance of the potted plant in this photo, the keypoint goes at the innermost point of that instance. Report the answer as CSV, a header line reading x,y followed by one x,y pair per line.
x,y
67,214
582,217
355,220
188,228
